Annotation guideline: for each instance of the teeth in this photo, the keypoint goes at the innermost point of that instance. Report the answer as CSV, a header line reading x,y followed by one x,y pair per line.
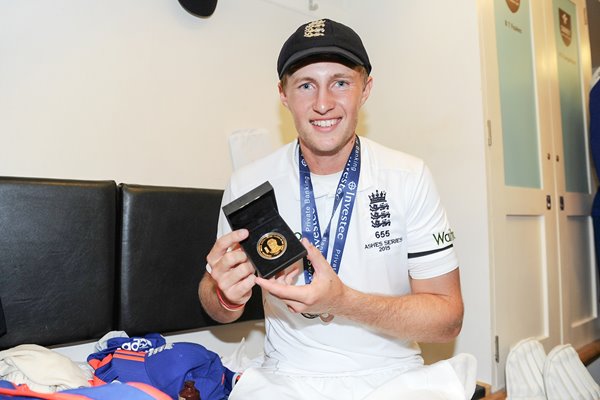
x,y
325,123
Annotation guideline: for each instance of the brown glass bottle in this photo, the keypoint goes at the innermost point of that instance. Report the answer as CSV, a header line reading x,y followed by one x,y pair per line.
x,y
189,391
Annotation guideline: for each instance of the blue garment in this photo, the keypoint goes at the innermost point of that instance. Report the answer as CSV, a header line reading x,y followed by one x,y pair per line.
x,y
116,391
168,367
134,343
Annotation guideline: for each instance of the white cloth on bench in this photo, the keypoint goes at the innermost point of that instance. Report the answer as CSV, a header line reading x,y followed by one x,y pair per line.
x,y
42,369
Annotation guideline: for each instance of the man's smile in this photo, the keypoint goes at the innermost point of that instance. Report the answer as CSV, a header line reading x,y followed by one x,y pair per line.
x,y
325,123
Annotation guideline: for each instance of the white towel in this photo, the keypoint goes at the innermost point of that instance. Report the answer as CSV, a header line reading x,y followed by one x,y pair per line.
x,y
43,370
450,379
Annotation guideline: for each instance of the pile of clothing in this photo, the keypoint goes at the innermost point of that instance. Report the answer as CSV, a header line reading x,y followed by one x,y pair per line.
x,y
121,367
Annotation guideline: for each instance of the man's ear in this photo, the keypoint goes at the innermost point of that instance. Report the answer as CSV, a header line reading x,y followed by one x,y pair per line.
x,y
282,95
367,90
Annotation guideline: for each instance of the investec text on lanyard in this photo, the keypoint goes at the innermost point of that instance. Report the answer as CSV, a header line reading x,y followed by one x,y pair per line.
x,y
345,195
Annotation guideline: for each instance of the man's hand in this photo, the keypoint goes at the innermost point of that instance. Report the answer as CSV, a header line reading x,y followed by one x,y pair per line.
x,y
230,268
321,296
230,273
288,276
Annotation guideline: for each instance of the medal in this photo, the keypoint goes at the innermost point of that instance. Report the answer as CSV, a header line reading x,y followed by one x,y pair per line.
x,y
271,245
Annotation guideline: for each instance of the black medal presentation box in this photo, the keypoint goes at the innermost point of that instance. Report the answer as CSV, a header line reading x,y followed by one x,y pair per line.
x,y
271,245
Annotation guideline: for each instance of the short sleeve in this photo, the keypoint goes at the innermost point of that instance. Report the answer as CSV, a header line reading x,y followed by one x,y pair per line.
x,y
430,238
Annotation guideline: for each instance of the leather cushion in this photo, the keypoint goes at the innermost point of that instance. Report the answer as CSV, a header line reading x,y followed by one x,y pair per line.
x,y
2,320
57,254
166,234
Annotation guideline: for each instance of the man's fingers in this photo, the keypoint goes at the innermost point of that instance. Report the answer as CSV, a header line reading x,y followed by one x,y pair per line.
x,y
224,243
288,275
314,256
282,291
233,258
241,290
232,276
295,306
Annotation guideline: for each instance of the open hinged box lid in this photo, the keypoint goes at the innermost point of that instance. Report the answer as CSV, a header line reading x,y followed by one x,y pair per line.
x,y
271,245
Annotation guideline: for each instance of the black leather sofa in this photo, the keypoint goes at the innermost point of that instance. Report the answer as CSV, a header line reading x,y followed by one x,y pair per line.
x,y
81,258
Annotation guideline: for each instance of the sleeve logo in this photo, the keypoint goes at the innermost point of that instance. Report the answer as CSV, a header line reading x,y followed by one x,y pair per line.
x,y
442,238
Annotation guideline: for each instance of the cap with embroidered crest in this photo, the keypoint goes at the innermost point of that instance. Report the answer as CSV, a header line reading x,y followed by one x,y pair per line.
x,y
322,37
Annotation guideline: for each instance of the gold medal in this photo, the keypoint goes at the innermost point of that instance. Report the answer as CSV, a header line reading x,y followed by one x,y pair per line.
x,y
271,246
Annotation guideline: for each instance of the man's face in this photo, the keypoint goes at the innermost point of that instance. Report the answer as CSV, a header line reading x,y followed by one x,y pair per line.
x,y
324,99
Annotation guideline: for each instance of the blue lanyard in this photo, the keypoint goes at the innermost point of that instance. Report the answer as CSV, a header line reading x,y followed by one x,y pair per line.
x,y
345,195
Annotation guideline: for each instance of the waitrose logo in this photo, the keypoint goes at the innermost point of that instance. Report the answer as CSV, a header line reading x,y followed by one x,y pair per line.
x,y
444,237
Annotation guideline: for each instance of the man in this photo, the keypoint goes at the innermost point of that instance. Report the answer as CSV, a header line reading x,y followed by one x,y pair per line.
x,y
381,272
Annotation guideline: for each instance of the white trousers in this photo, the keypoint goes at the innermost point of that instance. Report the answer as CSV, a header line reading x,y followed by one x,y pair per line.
x,y
452,379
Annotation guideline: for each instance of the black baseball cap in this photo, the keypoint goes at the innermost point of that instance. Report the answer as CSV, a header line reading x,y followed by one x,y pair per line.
x,y
322,37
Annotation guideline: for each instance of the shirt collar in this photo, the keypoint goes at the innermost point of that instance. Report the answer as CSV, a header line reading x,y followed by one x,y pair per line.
x,y
367,166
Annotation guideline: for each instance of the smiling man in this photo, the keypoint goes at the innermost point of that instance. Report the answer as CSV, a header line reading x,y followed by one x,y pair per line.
x,y
344,323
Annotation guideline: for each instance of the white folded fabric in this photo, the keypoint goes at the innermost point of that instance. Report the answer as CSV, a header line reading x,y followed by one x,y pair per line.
x,y
524,371
565,376
102,344
450,379
465,368
43,370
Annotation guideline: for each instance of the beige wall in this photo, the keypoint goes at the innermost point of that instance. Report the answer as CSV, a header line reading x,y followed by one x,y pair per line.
x,y
139,91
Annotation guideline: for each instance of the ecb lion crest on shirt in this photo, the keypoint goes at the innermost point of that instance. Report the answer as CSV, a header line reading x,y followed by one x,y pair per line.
x,y
381,223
